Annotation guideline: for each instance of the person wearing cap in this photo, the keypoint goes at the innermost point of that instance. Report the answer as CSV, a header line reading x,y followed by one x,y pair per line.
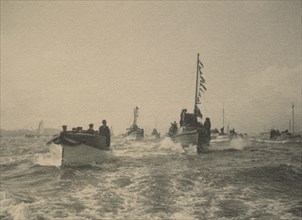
x,y
64,130
90,129
58,138
105,132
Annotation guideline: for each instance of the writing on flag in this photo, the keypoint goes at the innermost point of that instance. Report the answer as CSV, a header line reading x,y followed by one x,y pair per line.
x,y
200,87
202,81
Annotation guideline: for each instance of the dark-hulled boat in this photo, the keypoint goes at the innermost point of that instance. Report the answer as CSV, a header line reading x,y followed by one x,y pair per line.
x,y
192,132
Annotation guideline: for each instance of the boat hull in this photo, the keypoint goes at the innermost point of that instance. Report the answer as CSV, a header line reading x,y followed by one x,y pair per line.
x,y
82,155
186,138
223,140
192,137
80,148
290,140
134,136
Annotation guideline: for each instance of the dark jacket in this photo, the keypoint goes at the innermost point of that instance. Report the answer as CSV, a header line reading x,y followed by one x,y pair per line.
x,y
207,124
105,131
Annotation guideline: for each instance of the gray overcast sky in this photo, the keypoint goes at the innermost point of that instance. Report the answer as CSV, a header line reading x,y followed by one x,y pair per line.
x,y
76,62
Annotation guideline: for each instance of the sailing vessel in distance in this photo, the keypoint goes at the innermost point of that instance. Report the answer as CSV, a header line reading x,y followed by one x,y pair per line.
x,y
135,132
39,132
191,131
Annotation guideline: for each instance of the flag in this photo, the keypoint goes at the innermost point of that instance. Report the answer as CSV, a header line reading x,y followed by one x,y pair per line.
x,y
203,86
200,88
202,79
197,112
200,64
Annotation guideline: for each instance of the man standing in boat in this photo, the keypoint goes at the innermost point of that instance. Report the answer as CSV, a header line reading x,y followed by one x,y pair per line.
x,y
64,131
60,137
105,132
207,125
182,117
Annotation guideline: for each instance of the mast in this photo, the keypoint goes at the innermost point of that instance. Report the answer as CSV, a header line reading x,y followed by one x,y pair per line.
x,y
40,128
196,82
293,116
223,115
134,119
135,115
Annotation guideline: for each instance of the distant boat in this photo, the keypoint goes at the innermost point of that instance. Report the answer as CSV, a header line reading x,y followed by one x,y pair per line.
x,y
222,138
81,148
29,135
277,137
191,132
134,132
155,134
283,138
39,132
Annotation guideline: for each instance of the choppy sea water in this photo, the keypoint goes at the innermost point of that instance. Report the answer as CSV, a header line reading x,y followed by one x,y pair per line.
x,y
152,180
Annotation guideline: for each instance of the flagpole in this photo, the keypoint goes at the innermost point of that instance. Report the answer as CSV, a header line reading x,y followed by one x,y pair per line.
x,y
293,115
196,82
223,115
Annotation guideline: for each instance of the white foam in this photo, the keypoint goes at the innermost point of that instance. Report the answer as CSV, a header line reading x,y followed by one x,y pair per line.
x,y
8,205
238,143
168,144
52,158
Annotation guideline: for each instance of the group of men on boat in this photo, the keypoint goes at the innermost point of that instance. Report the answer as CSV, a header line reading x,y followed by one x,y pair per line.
x,y
189,121
231,132
103,131
276,133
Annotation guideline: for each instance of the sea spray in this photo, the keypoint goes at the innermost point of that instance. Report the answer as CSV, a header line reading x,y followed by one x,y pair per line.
x,y
238,143
10,206
51,158
158,182
168,144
